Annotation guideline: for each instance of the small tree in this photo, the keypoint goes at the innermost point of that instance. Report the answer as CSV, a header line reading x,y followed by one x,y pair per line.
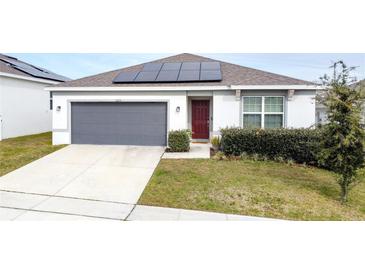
x,y
343,142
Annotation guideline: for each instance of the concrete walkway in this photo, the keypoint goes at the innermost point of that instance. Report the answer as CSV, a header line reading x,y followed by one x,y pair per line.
x,y
197,151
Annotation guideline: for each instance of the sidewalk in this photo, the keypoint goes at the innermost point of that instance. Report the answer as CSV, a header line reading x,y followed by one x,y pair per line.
x,y
134,213
151,213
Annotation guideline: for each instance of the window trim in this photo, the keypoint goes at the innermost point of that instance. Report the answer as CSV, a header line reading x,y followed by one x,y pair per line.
x,y
50,100
262,113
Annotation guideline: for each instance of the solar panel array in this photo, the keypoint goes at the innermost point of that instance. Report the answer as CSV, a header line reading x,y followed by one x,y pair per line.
x,y
173,72
33,70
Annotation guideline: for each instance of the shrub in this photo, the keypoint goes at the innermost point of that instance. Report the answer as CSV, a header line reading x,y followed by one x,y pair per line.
x,y
299,145
219,156
179,140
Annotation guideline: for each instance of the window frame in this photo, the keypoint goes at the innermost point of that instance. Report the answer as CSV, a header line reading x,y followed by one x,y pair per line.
x,y
50,100
263,112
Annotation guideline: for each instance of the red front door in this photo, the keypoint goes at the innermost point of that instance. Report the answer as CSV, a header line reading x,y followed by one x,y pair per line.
x,y
200,119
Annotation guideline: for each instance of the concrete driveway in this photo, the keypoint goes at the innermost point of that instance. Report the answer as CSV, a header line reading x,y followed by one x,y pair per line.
x,y
79,181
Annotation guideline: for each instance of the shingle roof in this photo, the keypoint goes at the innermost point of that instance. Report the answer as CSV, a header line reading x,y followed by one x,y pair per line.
x,y
6,68
232,75
361,84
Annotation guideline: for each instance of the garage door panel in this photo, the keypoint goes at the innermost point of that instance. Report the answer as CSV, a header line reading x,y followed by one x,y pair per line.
x,y
119,123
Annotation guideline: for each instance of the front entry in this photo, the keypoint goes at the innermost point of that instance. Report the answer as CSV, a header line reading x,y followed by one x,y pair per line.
x,y
200,119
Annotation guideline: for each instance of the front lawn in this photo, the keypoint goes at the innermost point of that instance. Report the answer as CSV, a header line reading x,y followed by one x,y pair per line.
x,y
17,152
256,188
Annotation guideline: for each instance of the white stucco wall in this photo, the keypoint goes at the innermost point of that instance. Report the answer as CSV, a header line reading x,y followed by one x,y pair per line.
x,y
24,107
301,110
61,119
321,116
226,110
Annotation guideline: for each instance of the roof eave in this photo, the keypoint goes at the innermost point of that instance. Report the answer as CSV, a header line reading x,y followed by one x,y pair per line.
x,y
183,88
27,78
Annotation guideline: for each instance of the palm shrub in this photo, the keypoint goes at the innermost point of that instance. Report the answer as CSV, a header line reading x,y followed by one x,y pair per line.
x,y
342,146
216,142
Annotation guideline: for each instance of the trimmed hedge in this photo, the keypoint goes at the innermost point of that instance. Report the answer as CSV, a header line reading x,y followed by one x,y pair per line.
x,y
299,145
179,140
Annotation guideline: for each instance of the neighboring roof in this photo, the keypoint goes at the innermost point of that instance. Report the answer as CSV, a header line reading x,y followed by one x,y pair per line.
x,y
231,75
27,70
361,84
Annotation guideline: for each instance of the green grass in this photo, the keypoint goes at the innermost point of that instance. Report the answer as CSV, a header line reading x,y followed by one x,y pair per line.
x,y
256,188
17,152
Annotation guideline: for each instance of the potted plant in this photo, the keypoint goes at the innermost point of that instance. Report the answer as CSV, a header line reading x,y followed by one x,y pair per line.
x,y
216,143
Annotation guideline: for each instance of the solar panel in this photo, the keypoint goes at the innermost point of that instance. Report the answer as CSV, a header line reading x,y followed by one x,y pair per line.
x,y
125,77
7,56
171,66
190,66
210,75
173,72
152,67
16,63
210,66
188,75
33,70
167,76
146,76
52,75
39,74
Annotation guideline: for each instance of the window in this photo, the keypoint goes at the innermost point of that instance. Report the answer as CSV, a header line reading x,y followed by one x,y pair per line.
x,y
50,101
252,112
263,111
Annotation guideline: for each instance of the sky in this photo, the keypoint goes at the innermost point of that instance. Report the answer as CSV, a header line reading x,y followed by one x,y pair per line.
x,y
306,66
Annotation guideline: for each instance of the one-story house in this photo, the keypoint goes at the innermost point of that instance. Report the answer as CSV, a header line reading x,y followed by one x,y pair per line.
x,y
139,105
25,108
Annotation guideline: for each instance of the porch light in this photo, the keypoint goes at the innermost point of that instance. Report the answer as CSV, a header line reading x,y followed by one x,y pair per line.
x,y
58,108
177,109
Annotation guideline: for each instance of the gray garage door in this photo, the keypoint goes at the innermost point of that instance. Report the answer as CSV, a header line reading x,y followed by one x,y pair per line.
x,y
142,124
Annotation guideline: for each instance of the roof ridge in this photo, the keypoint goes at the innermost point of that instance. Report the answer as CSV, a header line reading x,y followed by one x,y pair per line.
x,y
241,66
114,70
140,64
255,69
271,73
232,73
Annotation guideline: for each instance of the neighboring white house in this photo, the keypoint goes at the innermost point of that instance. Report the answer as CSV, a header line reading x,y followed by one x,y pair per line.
x,y
139,105
24,104
321,112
